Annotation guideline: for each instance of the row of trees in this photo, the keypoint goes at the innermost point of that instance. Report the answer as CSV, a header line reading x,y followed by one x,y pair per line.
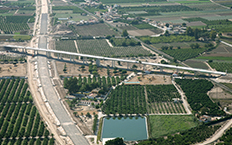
x,y
19,119
88,84
161,93
196,93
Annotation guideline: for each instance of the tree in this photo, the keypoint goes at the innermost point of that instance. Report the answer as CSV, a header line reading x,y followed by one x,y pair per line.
x,y
101,6
108,71
75,114
166,33
82,68
213,34
65,68
124,33
170,47
119,63
184,24
116,141
167,25
88,115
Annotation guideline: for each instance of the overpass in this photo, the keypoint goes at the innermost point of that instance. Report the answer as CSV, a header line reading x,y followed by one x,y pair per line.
x,y
98,58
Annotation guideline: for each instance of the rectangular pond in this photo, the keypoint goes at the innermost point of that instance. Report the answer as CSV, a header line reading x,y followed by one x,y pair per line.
x,y
130,128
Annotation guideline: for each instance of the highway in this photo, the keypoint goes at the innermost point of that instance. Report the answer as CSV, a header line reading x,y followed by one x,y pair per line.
x,y
66,122
117,59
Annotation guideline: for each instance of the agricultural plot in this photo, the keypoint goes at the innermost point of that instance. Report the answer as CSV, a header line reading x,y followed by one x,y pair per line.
x,y
196,64
184,54
20,121
167,39
66,45
94,30
221,66
11,24
155,10
130,1
161,125
126,99
227,3
160,99
88,84
101,47
196,93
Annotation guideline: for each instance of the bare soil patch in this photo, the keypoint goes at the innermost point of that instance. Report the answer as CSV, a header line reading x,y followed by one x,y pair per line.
x,y
223,98
20,69
152,79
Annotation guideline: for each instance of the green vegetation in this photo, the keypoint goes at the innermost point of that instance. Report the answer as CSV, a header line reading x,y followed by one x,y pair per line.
x,y
161,125
73,8
215,58
226,139
100,29
221,66
11,24
116,141
21,37
100,47
184,54
160,99
155,10
130,1
124,42
194,135
161,93
218,25
19,117
75,85
95,123
196,93
167,39
66,45
228,85
126,99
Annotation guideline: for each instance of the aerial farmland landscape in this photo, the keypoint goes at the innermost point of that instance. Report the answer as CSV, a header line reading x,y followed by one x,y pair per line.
x,y
115,72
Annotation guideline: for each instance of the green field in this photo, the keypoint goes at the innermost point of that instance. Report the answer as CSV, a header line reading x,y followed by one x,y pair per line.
x,y
101,47
162,125
100,29
20,121
160,99
221,66
196,64
215,58
66,45
184,54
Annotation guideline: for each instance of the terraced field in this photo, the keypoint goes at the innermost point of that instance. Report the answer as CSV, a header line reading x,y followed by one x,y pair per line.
x,y
20,121
101,47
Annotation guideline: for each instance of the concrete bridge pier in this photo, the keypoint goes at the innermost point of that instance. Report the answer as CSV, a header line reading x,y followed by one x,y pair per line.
x,y
113,63
195,73
58,56
83,60
127,65
70,58
161,69
97,62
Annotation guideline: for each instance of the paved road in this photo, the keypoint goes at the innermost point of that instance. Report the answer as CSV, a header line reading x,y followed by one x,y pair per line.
x,y
53,99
